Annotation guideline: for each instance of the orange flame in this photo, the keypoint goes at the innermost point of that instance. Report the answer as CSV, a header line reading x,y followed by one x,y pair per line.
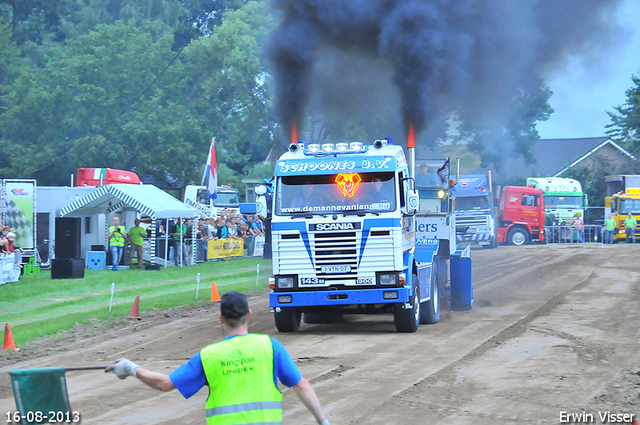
x,y
294,133
411,137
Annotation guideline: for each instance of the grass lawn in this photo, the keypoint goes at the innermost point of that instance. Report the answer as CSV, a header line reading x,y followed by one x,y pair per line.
x,y
38,305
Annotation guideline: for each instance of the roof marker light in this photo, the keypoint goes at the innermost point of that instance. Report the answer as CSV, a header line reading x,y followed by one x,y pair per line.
x,y
327,147
341,147
356,146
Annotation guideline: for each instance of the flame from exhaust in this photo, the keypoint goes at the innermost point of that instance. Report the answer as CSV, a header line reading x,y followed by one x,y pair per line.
x,y
294,133
411,137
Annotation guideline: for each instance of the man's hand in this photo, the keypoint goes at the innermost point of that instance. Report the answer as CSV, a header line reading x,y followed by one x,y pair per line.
x,y
123,368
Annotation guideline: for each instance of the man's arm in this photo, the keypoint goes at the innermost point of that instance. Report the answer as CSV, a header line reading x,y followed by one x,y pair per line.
x,y
308,397
156,380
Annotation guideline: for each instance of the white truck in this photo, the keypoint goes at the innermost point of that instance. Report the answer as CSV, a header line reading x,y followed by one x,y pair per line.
x,y
347,236
561,196
197,198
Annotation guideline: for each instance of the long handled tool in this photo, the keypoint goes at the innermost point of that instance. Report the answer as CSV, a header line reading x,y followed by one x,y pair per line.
x,y
43,390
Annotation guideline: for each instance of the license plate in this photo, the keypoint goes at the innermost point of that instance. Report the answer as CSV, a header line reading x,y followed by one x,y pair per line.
x,y
336,269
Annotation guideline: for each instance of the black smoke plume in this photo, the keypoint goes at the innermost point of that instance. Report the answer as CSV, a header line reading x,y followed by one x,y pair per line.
x,y
473,55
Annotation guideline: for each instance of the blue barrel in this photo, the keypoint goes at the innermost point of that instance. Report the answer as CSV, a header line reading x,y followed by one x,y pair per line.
x,y
461,283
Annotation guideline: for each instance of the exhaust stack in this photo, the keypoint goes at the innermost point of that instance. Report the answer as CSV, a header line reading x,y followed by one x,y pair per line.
x,y
411,150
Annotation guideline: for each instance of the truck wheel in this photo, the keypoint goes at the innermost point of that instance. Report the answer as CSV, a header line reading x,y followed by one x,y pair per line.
x,y
518,236
430,310
405,319
287,319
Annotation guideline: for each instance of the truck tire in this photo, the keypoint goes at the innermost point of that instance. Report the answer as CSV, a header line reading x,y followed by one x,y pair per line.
x,y
518,236
407,320
430,310
287,319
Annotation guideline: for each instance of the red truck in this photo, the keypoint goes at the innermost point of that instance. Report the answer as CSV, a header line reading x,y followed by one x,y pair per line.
x,y
520,215
104,176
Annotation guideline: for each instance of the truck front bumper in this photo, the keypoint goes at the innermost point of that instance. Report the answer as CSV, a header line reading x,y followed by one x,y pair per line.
x,y
340,297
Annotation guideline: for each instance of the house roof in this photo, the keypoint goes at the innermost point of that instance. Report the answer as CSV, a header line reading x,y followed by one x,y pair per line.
x,y
554,156
147,199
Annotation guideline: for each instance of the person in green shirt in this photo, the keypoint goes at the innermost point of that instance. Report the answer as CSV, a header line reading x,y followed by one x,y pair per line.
x,y
609,228
629,228
135,236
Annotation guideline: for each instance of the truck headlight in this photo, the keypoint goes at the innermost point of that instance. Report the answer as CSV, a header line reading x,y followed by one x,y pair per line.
x,y
388,279
284,282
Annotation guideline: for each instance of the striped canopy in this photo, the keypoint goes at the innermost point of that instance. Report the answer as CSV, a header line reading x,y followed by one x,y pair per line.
x,y
147,199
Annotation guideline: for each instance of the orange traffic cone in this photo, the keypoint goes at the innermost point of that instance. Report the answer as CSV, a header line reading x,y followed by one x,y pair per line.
x,y
8,339
135,310
215,296
635,422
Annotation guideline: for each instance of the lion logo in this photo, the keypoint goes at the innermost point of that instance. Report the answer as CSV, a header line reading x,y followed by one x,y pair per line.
x,y
348,183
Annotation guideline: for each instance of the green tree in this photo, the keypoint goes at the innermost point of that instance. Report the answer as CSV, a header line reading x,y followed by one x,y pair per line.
x,y
592,177
625,121
230,87
84,109
9,62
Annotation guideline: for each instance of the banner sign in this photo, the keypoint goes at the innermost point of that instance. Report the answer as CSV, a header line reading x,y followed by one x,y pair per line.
x,y
19,213
9,269
258,246
292,167
223,248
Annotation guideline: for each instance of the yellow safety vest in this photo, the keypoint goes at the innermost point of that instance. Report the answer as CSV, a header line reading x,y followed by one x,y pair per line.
x,y
242,390
116,239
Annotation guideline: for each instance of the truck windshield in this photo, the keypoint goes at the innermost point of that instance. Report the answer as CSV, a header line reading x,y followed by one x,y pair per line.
x,y
346,192
563,201
467,203
629,206
226,199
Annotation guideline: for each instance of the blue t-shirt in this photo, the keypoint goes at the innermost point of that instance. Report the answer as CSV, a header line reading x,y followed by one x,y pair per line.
x,y
190,378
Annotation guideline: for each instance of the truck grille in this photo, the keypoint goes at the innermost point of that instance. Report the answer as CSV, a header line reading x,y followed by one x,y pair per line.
x,y
333,251
472,220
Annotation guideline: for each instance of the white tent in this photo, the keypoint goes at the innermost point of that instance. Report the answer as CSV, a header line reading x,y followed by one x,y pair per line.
x,y
146,199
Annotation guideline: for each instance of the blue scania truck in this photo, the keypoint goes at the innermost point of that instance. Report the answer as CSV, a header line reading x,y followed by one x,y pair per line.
x,y
474,211
351,234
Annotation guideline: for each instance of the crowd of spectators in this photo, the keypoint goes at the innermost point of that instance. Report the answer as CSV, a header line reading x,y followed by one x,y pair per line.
x,y
229,225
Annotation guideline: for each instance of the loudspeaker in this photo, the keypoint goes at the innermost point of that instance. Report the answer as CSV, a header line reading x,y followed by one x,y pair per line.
x,y
67,268
68,237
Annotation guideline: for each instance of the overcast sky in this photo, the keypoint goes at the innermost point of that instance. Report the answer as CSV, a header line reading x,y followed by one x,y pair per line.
x,y
582,93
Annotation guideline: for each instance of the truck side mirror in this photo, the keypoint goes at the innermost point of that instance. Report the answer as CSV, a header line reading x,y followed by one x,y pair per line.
x,y
261,206
260,190
413,201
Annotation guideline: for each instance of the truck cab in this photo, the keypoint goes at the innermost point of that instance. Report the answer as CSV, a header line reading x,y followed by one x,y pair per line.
x,y
563,197
623,197
474,211
520,215
344,236
197,197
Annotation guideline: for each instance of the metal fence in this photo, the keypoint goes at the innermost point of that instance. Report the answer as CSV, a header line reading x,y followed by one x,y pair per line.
x,y
565,235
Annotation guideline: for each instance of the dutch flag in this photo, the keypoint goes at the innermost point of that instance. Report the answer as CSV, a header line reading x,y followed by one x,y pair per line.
x,y
211,171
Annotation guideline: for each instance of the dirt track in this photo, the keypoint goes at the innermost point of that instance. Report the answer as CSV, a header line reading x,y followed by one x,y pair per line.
x,y
552,330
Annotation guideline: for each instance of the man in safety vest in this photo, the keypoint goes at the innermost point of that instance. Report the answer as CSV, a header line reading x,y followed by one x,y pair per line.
x,y
116,242
242,372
